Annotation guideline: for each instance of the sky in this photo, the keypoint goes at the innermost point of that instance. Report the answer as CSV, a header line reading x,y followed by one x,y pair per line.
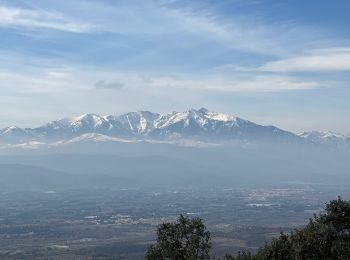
x,y
284,63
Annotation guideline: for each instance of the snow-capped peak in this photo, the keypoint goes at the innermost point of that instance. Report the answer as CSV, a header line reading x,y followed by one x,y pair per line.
x,y
199,117
327,138
322,135
201,124
140,122
14,134
219,116
88,120
93,137
12,129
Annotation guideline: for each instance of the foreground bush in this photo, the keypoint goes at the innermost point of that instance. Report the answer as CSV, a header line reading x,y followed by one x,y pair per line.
x,y
325,237
184,239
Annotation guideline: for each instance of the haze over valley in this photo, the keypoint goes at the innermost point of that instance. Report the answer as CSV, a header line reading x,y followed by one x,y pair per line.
x,y
144,148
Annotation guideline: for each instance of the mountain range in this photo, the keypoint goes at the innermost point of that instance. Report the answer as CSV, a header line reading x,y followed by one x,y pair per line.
x,y
190,148
197,125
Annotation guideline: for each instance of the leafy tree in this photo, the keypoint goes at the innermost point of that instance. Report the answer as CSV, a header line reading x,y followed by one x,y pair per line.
x,y
184,239
326,237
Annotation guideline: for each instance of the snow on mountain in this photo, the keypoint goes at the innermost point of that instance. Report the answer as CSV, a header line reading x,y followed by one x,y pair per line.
x,y
93,137
192,124
211,125
69,127
89,122
14,134
327,138
137,123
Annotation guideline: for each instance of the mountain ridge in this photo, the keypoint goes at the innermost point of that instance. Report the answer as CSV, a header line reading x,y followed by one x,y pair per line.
x,y
192,124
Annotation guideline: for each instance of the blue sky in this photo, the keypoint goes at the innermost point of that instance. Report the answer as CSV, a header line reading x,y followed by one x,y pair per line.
x,y
285,63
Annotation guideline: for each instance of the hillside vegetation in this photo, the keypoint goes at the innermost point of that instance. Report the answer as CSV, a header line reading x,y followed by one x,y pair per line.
x,y
326,236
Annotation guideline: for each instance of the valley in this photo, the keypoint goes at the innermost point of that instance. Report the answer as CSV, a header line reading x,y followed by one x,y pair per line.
x,y
121,223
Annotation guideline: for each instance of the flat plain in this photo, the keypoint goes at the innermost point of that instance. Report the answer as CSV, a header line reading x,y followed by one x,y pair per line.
x,y
121,223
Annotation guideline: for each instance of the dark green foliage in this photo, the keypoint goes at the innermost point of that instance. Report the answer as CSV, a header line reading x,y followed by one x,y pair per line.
x,y
326,237
184,239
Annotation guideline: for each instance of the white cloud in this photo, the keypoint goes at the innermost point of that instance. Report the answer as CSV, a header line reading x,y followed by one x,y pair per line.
x,y
19,17
73,79
195,26
191,26
237,33
246,84
333,59
60,92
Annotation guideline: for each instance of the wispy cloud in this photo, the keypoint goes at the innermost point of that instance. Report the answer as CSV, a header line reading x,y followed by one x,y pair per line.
x,y
74,79
265,83
333,59
28,18
236,33
157,20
